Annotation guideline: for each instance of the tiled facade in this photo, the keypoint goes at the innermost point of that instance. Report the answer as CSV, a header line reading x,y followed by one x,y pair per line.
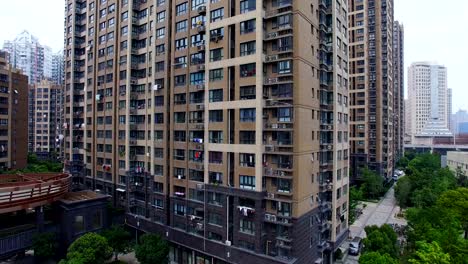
x,y
47,117
224,122
13,116
372,93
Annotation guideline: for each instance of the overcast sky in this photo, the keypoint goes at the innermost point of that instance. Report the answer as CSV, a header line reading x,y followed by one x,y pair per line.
x,y
434,31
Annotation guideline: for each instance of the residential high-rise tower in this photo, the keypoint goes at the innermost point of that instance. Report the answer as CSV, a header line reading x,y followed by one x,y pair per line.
x,y
372,92
13,116
427,93
222,125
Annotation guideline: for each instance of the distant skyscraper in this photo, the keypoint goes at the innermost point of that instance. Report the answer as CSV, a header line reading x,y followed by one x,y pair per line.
x,y
398,89
407,110
427,92
57,68
449,110
27,54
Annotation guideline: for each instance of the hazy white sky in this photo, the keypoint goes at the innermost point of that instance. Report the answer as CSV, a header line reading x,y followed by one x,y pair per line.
x,y
434,31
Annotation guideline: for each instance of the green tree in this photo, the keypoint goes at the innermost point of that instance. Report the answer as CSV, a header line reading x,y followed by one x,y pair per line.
x,y
381,239
403,192
430,253
44,245
376,258
118,239
457,202
372,183
90,248
403,162
152,249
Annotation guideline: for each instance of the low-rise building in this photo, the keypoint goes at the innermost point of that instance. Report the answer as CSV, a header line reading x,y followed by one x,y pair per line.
x,y
457,161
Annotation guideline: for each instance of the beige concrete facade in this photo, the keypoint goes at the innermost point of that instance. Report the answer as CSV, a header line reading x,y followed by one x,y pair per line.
x,y
231,99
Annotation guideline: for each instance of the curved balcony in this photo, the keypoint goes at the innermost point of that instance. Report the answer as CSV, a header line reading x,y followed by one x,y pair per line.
x,y
22,191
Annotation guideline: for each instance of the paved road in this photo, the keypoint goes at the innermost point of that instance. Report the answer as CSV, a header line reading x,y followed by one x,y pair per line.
x,y
375,214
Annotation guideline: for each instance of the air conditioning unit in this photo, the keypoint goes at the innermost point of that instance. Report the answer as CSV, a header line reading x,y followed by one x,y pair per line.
x,y
179,177
271,58
269,148
271,195
157,87
272,35
228,243
329,147
133,82
201,67
273,218
200,107
329,127
200,186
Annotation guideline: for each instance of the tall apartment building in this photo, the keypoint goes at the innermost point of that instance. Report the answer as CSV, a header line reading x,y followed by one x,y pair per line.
x,y
13,116
449,110
427,93
222,125
398,89
58,70
28,55
47,118
371,86
407,139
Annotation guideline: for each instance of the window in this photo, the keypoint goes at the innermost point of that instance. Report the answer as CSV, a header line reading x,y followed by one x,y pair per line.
x,y
247,115
197,3
181,9
247,26
247,137
216,54
96,220
215,157
181,26
181,43
282,67
160,33
198,40
197,78
161,16
282,21
216,177
247,92
284,114
246,226
179,209
198,21
216,136
78,224
247,48
216,116
216,95
247,160
215,219
247,6
217,14
248,70
179,80
216,75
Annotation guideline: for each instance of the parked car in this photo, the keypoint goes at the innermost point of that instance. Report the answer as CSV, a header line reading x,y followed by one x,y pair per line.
x,y
355,246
